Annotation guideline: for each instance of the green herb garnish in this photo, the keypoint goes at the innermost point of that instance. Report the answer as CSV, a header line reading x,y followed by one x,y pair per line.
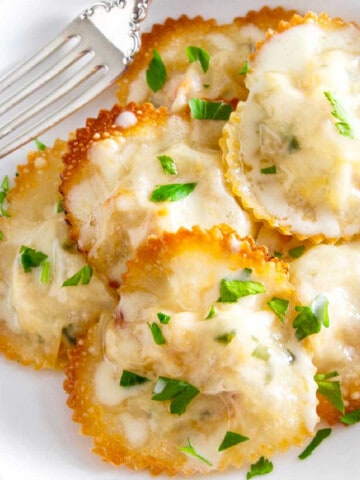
x,y
278,254
157,333
1,235
351,418
245,68
315,442
279,306
204,110
163,318
130,379
330,389
172,192
297,251
190,450
231,439
4,189
59,207
156,73
45,272
82,277
30,258
311,318
195,54
178,391
269,170
225,338
39,145
261,352
261,467
168,164
232,290
294,145
212,313
338,113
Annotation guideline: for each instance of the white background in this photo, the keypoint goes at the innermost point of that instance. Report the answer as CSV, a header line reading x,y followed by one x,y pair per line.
x,y
38,440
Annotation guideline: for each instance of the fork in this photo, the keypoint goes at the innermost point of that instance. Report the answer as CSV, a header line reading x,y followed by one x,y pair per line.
x,y
77,65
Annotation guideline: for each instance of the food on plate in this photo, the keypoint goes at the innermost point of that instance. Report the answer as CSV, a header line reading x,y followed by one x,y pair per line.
x,y
333,271
193,57
137,171
291,149
197,370
39,317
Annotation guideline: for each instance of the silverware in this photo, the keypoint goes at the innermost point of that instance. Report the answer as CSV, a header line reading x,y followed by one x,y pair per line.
x,y
81,62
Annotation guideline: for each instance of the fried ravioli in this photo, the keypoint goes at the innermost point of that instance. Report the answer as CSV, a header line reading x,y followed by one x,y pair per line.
x,y
39,318
223,363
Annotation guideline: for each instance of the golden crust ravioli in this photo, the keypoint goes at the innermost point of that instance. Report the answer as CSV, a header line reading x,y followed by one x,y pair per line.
x,y
40,319
228,46
114,172
291,149
249,368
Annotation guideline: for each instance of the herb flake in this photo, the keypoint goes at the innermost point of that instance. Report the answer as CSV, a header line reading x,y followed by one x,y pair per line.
x,y
205,110
179,392
172,192
163,318
297,252
168,164
31,258
338,113
212,313
157,333
39,145
261,467
190,450
351,418
156,72
225,338
311,318
45,271
279,306
315,442
330,389
4,189
245,68
269,170
82,277
195,54
130,379
230,440
232,290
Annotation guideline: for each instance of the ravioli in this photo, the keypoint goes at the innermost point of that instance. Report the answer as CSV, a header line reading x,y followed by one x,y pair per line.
x,y
228,46
291,150
207,291
114,183
333,271
40,319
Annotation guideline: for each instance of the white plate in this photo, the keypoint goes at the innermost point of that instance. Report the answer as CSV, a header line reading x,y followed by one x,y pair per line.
x,y
38,440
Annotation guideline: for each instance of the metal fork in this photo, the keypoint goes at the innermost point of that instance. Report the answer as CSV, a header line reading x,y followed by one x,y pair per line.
x,y
86,58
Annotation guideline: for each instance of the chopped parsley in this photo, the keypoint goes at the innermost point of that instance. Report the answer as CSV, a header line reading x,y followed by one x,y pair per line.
x,y
168,164
195,54
130,379
82,277
232,290
245,68
31,258
39,145
231,439
261,352
204,110
59,207
279,306
45,271
351,418
315,442
163,318
338,113
190,450
156,72
157,333
225,338
278,254
1,235
179,392
311,318
172,192
269,170
297,251
206,85
330,389
212,313
261,467
4,189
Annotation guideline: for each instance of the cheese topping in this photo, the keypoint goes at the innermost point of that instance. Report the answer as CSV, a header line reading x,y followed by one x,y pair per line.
x,y
289,127
250,369
112,201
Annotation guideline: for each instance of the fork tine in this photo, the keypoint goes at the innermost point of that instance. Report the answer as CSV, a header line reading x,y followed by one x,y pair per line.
x,y
20,70
26,89
57,94
56,116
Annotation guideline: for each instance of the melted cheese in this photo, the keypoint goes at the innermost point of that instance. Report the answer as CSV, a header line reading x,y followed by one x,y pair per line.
x,y
287,122
113,202
333,271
